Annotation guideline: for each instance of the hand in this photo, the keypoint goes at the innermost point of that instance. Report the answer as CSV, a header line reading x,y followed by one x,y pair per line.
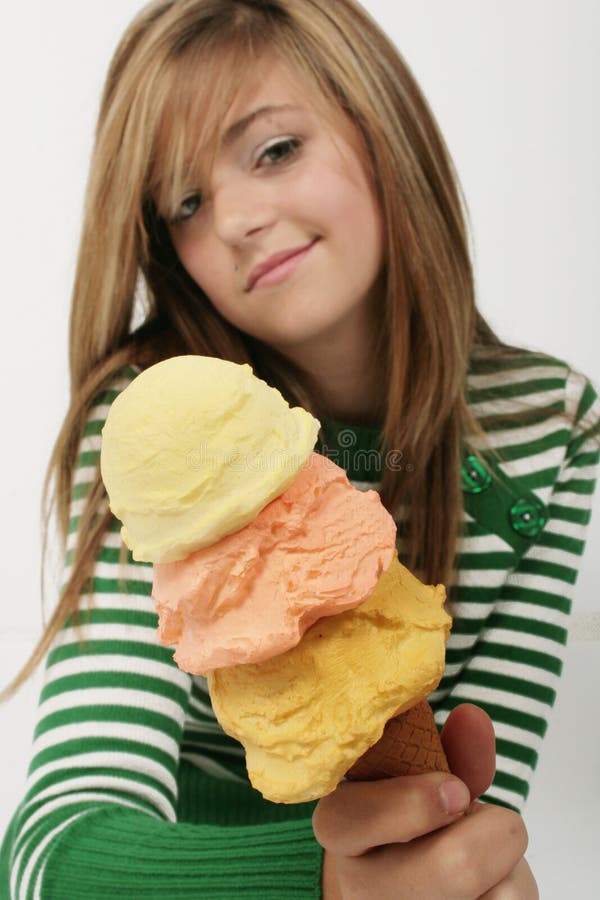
x,y
425,837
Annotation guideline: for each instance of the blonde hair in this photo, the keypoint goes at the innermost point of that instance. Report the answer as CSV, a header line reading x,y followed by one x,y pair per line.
x,y
428,325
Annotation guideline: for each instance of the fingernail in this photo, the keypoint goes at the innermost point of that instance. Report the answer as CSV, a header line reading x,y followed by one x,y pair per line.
x,y
455,796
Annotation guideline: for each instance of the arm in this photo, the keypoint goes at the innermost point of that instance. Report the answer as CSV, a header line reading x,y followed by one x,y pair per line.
x,y
395,835
514,668
100,810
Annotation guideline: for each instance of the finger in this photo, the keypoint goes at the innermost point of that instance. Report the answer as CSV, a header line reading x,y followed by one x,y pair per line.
x,y
463,857
519,885
465,860
470,745
360,815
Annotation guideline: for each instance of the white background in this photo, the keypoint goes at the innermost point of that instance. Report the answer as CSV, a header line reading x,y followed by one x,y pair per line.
x,y
515,85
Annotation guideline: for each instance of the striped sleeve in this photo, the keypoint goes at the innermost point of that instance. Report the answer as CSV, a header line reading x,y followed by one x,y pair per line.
x,y
517,660
99,816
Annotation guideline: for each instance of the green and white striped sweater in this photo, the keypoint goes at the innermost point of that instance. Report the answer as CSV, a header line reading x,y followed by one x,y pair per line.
x,y
134,790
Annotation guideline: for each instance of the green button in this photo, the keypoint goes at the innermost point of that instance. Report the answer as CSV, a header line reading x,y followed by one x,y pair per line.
x,y
528,516
475,476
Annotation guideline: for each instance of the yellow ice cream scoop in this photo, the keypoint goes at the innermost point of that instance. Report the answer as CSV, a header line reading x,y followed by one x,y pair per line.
x,y
306,716
193,449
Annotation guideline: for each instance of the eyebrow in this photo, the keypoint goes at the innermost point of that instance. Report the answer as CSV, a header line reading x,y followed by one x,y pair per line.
x,y
236,130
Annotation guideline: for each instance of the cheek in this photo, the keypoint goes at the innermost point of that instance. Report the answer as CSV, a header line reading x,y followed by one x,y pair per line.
x,y
343,200
206,263
361,227
200,259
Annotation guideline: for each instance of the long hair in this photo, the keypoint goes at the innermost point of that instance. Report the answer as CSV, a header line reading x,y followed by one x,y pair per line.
x,y
181,63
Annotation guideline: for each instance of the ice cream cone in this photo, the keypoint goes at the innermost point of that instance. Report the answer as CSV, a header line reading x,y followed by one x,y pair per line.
x,y
410,745
283,586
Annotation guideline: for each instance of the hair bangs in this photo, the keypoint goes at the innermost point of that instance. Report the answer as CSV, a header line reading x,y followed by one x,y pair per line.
x,y
201,89
201,83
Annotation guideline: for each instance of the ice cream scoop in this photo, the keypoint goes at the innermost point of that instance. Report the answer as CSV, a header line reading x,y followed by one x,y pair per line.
x,y
306,716
193,449
316,550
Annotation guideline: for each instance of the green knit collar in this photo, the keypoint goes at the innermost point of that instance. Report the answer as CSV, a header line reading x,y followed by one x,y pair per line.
x,y
355,448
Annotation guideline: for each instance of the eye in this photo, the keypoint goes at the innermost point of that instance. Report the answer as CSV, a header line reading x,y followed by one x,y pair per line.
x,y
188,207
280,151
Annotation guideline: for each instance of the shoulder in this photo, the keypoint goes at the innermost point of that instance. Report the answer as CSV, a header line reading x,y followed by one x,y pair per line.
x,y
86,463
105,397
505,369
516,388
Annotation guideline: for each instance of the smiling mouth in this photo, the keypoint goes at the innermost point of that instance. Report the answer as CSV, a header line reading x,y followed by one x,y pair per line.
x,y
281,270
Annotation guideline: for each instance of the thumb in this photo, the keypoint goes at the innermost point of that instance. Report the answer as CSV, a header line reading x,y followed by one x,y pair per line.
x,y
470,746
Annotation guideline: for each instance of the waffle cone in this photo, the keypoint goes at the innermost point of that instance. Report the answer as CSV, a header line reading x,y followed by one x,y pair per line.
x,y
410,745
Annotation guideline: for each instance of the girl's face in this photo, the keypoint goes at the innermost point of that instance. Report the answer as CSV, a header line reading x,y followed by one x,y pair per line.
x,y
286,238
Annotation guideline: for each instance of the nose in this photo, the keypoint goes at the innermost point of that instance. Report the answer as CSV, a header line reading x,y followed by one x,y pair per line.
x,y
241,209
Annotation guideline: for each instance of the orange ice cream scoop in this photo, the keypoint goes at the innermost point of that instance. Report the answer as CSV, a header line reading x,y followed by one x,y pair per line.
x,y
315,551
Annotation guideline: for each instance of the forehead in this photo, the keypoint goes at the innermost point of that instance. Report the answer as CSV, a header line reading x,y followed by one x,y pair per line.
x,y
272,82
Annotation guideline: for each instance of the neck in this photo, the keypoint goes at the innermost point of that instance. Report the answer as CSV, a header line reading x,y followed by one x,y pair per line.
x,y
344,369
349,392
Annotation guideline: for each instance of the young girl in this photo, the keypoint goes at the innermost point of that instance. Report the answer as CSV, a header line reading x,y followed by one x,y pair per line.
x,y
269,186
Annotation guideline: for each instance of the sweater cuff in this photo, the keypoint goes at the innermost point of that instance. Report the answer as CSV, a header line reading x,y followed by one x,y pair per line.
x,y
120,853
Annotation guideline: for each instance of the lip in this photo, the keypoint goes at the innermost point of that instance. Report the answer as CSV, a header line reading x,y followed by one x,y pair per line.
x,y
293,257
